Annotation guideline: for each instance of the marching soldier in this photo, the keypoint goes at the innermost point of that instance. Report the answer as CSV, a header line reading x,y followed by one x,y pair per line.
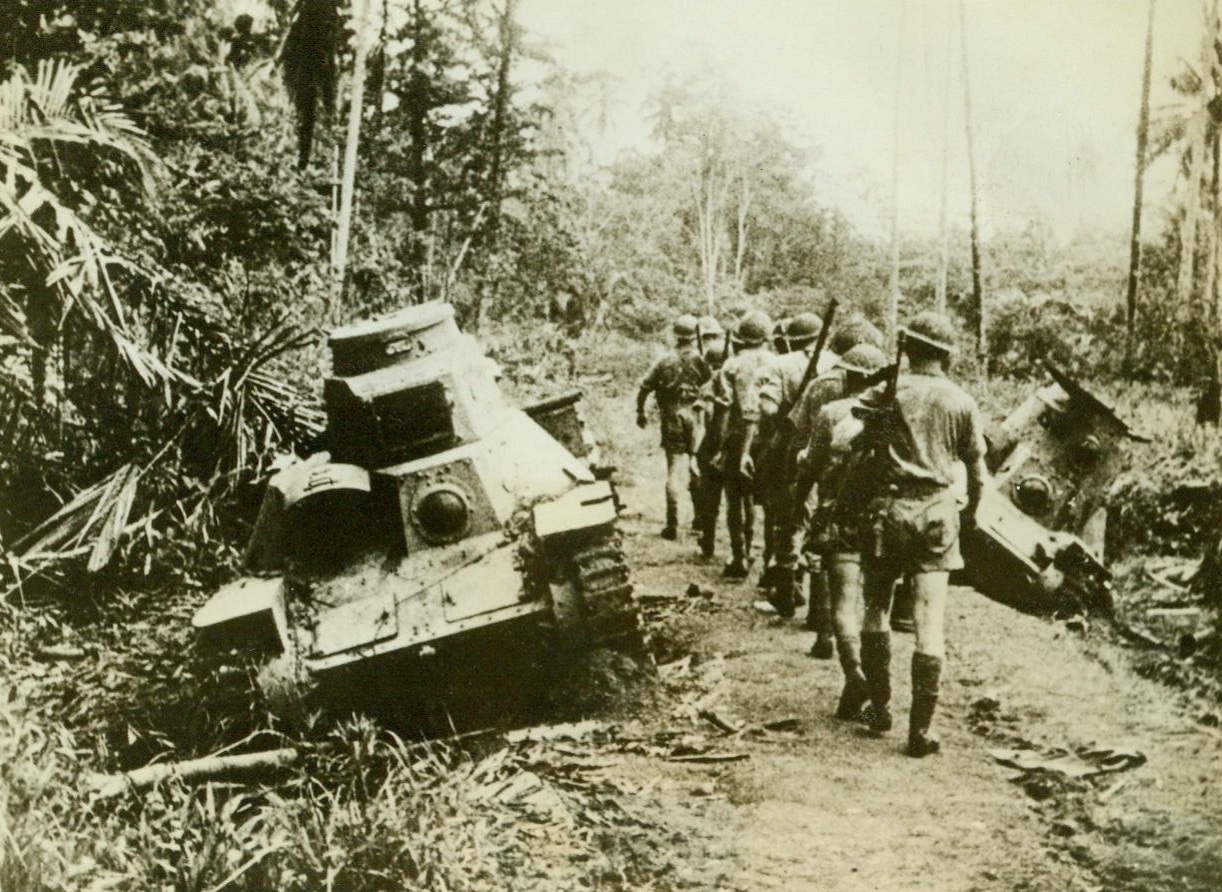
x,y
705,481
826,388
836,525
928,424
776,404
742,378
675,381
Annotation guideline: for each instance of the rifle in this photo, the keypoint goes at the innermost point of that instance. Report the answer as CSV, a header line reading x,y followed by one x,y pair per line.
x,y
812,367
863,474
879,419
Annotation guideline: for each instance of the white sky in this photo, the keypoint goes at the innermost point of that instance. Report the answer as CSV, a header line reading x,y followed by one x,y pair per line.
x,y
1055,84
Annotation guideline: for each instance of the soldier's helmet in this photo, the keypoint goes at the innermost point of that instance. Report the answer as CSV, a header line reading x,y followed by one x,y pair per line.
x,y
709,327
685,326
855,330
932,330
753,329
864,359
803,327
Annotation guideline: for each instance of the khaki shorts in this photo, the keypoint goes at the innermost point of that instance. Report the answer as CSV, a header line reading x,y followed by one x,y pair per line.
x,y
915,535
678,431
831,536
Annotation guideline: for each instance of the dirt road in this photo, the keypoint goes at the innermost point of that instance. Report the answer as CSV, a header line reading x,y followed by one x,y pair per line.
x,y
822,806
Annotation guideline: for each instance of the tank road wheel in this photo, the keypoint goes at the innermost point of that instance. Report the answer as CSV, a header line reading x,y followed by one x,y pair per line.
x,y
592,605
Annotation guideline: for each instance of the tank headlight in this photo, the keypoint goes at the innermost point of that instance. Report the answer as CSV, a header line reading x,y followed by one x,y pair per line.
x,y
442,514
1033,495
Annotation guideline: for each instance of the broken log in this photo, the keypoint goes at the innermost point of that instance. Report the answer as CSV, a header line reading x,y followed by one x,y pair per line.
x,y
208,768
709,758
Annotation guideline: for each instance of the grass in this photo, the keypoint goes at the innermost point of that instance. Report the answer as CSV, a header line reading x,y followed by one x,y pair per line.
x,y
367,811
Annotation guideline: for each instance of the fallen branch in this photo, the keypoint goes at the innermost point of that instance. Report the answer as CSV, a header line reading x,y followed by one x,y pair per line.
x,y
542,733
208,768
709,758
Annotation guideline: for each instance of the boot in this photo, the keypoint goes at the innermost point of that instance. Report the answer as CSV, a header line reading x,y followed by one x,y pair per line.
x,y
735,569
824,647
706,544
876,666
781,592
926,679
819,618
856,692
671,530
818,614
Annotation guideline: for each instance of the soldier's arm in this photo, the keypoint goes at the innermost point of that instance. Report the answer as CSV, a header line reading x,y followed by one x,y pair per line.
x,y
720,425
817,455
972,450
648,386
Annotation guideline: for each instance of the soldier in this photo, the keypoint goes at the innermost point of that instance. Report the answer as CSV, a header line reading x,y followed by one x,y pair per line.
x,y
927,427
739,383
826,388
774,470
705,480
836,525
675,380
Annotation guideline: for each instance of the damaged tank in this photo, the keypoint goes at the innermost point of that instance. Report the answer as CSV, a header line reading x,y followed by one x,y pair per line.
x,y
443,541
1039,541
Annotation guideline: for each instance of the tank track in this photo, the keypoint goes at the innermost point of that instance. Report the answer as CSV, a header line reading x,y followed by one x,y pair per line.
x,y
604,584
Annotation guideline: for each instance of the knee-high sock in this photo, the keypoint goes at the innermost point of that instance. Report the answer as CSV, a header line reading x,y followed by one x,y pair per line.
x,y
926,681
876,665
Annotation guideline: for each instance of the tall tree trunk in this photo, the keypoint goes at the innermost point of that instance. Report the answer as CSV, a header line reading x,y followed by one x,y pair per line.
x,y
982,347
1143,132
740,233
496,176
1198,145
893,291
418,106
939,300
352,143
708,214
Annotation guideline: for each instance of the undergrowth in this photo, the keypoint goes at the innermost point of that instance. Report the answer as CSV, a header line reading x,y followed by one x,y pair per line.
x,y
364,811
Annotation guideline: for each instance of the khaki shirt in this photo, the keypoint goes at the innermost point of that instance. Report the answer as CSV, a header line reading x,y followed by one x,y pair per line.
x,y
782,393
675,379
825,459
940,426
827,387
742,380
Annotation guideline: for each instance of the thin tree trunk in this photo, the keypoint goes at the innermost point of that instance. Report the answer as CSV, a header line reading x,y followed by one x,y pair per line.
x,y
977,288
348,179
1198,146
418,104
500,103
740,246
707,214
893,291
943,238
1143,131
1213,294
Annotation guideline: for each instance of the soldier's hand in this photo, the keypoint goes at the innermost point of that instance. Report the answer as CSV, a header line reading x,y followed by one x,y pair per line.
x,y
693,467
642,420
746,467
718,462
